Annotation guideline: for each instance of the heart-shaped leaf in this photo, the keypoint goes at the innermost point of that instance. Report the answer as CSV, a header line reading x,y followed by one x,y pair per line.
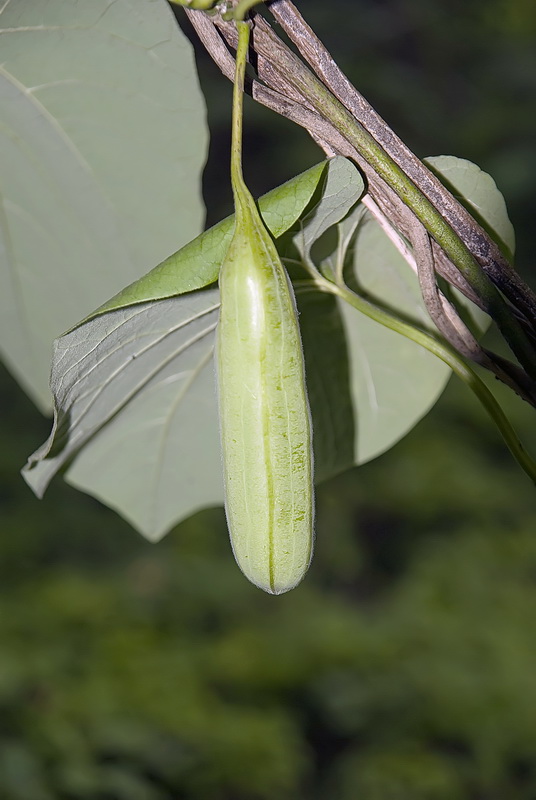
x,y
394,382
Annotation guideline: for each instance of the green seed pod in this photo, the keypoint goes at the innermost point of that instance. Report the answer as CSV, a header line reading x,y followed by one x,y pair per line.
x,y
264,414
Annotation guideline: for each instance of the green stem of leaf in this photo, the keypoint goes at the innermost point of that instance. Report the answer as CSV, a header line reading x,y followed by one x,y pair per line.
x,y
240,11
449,357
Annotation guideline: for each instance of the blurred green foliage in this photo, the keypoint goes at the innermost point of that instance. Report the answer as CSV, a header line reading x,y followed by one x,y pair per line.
x,y
404,667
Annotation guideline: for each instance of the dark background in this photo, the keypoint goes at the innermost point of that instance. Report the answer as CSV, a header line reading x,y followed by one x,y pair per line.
x,y
404,667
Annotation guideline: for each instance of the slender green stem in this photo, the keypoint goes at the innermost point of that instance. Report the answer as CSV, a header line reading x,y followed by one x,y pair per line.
x,y
449,357
240,189
197,5
243,7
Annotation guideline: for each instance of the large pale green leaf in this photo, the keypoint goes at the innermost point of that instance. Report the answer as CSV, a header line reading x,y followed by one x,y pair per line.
x,y
394,382
102,140
135,396
134,390
369,386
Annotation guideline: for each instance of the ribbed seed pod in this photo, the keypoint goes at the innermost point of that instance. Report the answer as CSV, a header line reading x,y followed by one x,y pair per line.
x,y
264,414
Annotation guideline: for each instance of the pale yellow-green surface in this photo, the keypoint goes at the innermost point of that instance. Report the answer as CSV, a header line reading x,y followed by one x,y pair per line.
x,y
264,419
264,412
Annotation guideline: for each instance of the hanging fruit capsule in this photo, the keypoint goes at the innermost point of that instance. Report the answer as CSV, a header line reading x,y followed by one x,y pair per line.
x,y
264,413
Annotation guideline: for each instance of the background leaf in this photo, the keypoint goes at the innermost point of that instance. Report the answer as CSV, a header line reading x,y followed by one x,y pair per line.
x,y
103,140
393,382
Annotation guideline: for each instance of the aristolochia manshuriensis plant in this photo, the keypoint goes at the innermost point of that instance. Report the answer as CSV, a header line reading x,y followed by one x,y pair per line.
x,y
137,420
